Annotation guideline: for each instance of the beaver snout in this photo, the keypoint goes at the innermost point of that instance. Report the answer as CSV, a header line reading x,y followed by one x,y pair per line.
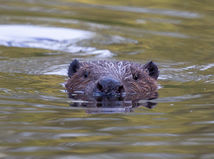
x,y
109,87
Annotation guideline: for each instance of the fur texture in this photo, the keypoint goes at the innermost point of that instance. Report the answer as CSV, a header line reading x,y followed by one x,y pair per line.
x,y
137,81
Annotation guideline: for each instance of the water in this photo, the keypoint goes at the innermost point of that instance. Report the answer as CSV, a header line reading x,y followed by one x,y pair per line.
x,y
38,40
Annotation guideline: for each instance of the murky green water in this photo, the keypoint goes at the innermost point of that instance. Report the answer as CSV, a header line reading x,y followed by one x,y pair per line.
x,y
39,38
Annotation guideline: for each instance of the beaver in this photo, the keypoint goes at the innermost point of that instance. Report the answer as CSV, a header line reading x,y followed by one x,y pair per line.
x,y
107,80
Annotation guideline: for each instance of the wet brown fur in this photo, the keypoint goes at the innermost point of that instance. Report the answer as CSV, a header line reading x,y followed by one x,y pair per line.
x,y
134,77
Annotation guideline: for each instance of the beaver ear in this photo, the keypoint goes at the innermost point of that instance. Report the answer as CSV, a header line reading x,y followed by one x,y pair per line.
x,y
73,67
152,69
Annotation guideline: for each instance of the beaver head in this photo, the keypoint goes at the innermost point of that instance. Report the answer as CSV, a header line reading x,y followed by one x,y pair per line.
x,y
112,79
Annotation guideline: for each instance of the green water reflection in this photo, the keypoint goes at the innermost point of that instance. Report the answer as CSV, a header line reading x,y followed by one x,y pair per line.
x,y
35,117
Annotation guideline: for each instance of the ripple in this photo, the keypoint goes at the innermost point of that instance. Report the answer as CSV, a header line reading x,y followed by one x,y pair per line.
x,y
2,155
158,20
180,72
66,135
131,155
207,156
177,98
199,67
36,148
30,32
52,38
87,119
154,134
127,128
176,13
204,122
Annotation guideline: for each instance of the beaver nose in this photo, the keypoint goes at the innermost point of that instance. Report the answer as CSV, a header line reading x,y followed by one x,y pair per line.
x,y
109,86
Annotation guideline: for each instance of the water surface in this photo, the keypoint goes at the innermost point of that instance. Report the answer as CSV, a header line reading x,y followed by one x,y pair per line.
x,y
38,40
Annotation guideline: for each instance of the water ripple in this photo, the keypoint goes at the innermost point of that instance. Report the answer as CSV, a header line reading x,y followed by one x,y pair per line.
x,y
131,155
52,38
176,13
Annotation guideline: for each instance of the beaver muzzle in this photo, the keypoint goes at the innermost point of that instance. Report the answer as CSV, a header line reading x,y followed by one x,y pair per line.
x,y
108,87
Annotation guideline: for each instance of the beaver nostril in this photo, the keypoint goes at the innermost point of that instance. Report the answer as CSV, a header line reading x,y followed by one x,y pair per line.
x,y
99,86
120,89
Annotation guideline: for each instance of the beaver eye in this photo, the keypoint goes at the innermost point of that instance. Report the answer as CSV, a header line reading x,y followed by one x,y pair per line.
x,y
136,76
86,74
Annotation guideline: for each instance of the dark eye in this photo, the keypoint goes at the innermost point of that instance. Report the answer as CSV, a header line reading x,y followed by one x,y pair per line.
x,y
135,76
86,74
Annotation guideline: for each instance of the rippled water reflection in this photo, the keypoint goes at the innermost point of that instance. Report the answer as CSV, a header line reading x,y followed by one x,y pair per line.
x,y
52,38
40,38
